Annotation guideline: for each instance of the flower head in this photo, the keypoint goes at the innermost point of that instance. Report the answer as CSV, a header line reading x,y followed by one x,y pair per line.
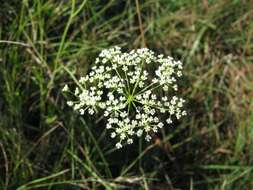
x,y
131,96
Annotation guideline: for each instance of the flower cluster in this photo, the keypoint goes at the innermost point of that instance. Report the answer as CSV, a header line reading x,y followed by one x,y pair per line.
x,y
132,90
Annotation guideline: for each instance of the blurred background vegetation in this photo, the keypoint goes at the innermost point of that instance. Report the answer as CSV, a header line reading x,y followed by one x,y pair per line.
x,y
45,145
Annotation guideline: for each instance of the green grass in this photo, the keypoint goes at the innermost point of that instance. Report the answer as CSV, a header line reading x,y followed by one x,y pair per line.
x,y
45,145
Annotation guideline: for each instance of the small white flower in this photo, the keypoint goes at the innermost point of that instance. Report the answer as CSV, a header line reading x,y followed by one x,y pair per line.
x,y
83,80
153,96
155,129
108,126
118,145
165,88
113,135
139,132
130,141
81,111
91,111
122,136
148,138
70,103
65,88
125,68
169,121
165,98
76,91
160,125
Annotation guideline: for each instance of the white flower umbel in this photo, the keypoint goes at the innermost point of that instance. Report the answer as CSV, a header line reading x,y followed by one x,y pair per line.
x,y
132,90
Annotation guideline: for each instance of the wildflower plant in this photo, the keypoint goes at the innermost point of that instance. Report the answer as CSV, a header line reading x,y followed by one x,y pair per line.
x,y
132,90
